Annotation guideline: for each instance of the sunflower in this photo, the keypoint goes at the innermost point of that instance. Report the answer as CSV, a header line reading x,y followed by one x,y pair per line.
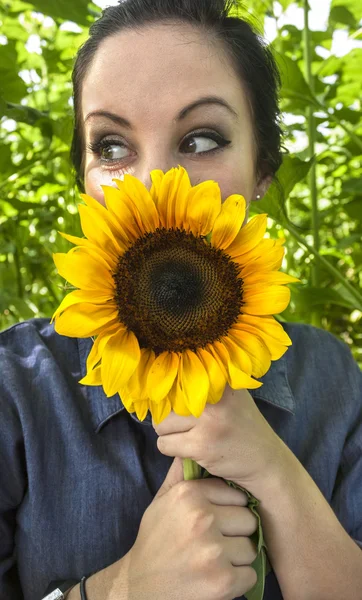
x,y
179,294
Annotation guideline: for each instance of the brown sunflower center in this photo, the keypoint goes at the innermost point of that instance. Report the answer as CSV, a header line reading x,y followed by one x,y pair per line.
x,y
176,292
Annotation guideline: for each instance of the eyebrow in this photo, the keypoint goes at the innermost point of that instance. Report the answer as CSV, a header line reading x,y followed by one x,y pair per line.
x,y
182,114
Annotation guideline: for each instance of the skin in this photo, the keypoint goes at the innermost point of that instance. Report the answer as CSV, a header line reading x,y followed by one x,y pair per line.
x,y
180,65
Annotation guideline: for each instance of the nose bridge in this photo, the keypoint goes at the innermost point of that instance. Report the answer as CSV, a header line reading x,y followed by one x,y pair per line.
x,y
155,158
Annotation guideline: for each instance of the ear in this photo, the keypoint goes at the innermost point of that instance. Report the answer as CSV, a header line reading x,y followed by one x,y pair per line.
x,y
262,187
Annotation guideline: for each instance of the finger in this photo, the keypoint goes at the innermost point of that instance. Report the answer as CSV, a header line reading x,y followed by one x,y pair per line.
x,y
240,550
174,476
235,520
177,444
245,579
174,424
220,493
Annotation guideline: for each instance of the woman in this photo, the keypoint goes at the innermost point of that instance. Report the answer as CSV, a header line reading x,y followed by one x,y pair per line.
x,y
89,490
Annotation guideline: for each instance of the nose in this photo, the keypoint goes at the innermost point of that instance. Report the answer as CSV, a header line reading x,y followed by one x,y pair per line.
x,y
144,169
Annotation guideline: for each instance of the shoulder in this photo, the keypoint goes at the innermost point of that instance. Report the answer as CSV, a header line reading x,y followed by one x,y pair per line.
x,y
318,349
22,335
33,355
321,368
27,338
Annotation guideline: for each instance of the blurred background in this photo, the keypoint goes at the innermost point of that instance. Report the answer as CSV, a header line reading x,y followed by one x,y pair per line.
x,y
317,208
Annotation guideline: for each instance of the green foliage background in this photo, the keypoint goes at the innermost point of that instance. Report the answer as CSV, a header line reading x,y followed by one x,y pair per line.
x,y
319,213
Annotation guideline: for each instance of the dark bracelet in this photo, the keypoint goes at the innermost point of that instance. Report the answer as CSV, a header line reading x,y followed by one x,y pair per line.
x,y
83,593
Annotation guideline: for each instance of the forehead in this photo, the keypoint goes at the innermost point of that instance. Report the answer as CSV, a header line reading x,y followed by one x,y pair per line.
x,y
157,69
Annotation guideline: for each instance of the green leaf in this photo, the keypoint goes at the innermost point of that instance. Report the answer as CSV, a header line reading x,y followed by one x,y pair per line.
x,y
357,35
341,14
292,171
285,3
63,9
309,297
12,87
354,6
354,208
294,86
260,564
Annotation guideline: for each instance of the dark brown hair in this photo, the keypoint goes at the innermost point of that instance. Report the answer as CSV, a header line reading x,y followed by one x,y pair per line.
x,y
252,60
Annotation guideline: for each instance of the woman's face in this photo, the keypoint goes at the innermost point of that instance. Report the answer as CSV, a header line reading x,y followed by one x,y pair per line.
x,y
162,96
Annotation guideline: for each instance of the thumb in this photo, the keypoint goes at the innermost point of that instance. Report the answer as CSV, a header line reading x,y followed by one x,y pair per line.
x,y
174,476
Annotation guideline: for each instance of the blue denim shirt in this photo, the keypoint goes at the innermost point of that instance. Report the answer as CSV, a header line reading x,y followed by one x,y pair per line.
x,y
77,471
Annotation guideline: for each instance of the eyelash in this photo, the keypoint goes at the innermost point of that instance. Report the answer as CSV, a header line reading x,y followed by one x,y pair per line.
x,y
97,146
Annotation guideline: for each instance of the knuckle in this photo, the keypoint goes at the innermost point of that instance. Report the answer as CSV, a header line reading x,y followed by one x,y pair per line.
x,y
223,583
183,491
252,550
249,578
200,521
212,553
251,521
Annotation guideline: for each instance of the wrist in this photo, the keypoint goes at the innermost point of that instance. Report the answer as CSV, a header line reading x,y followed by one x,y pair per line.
x,y
110,583
281,469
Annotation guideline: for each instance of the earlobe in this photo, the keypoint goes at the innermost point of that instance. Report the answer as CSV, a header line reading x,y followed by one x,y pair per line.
x,y
262,187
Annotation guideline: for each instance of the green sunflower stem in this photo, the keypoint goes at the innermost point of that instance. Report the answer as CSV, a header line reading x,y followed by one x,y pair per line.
x,y
192,471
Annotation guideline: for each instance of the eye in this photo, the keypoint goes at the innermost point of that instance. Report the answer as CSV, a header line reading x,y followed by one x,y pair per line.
x,y
109,150
203,143
113,151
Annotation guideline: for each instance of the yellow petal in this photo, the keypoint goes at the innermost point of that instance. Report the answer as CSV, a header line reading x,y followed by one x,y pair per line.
x,y
195,382
141,409
239,380
93,203
127,401
267,325
123,213
177,399
85,320
162,375
82,296
229,221
269,301
156,177
249,236
76,240
216,376
236,377
203,206
276,339
160,410
266,256
120,358
256,349
137,385
92,377
237,355
172,197
221,355
98,232
142,199
91,248
275,347
96,351
105,215
84,271
266,278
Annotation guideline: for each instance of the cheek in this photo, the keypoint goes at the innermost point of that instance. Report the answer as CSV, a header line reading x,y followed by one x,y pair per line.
x,y
236,179
93,182
94,178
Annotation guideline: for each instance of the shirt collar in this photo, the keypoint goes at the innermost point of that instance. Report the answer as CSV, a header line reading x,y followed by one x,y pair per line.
x,y
275,391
